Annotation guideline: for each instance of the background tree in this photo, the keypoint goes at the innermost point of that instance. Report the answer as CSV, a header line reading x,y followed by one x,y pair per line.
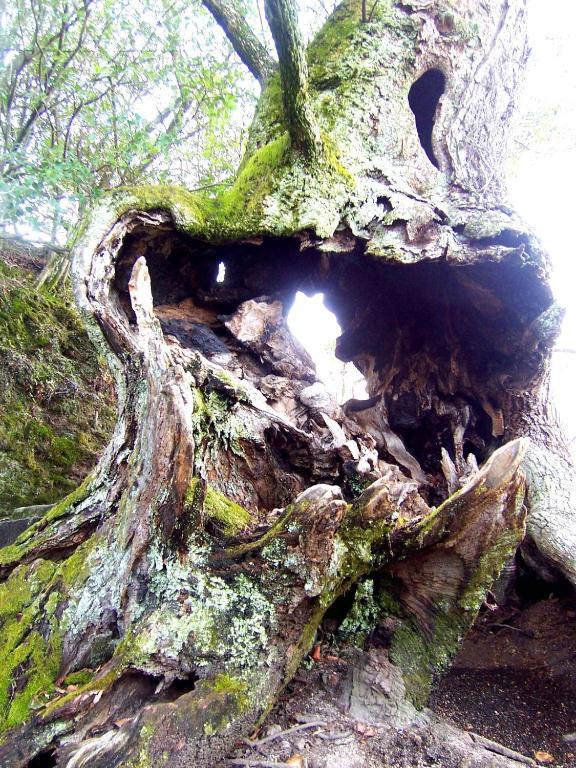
x,y
90,101
182,583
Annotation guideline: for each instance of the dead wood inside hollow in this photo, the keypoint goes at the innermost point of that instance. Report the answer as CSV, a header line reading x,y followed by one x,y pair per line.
x,y
436,341
236,502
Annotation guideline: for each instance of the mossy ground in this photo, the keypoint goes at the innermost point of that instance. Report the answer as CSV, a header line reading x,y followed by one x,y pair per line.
x,y
31,632
56,400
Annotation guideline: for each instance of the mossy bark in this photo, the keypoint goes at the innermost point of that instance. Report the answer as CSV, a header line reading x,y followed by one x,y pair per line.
x,y
187,578
299,117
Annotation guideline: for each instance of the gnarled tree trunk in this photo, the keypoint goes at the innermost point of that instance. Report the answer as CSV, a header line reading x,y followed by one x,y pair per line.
x,y
155,614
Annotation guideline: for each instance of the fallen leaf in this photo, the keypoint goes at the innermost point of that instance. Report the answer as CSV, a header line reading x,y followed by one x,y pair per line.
x,y
544,757
316,652
122,721
365,730
298,760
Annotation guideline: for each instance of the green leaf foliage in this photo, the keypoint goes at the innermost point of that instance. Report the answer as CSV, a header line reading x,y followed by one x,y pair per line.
x,y
97,94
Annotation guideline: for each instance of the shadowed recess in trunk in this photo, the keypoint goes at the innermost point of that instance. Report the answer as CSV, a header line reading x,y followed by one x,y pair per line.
x,y
423,98
433,340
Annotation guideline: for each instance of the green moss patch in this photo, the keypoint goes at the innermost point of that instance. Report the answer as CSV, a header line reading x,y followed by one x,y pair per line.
x,y
231,686
326,51
215,424
30,634
243,204
56,400
209,504
188,208
80,678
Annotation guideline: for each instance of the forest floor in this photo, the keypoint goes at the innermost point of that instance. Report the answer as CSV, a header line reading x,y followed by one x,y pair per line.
x,y
516,683
511,685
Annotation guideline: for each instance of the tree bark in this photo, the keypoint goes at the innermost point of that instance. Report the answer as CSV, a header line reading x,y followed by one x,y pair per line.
x,y
161,608
283,21
250,50
56,272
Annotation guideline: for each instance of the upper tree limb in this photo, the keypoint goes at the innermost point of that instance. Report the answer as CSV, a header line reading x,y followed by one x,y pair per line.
x,y
283,22
250,50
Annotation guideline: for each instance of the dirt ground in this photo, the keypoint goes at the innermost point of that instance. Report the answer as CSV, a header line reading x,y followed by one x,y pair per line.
x,y
508,701
517,683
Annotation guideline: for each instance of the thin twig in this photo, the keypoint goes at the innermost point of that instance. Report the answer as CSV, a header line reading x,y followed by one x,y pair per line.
x,y
372,10
261,763
525,632
303,726
499,749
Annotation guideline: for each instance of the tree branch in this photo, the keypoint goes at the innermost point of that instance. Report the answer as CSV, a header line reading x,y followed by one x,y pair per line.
x,y
283,22
55,70
250,50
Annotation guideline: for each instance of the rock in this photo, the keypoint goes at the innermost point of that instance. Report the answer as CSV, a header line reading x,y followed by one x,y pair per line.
x,y
261,327
318,399
11,529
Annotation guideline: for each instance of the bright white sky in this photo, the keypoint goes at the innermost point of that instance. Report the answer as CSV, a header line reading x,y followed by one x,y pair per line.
x,y
542,181
317,329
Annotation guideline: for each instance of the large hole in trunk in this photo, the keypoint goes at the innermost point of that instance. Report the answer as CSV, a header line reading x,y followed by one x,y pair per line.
x,y
423,98
434,341
439,345
317,329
